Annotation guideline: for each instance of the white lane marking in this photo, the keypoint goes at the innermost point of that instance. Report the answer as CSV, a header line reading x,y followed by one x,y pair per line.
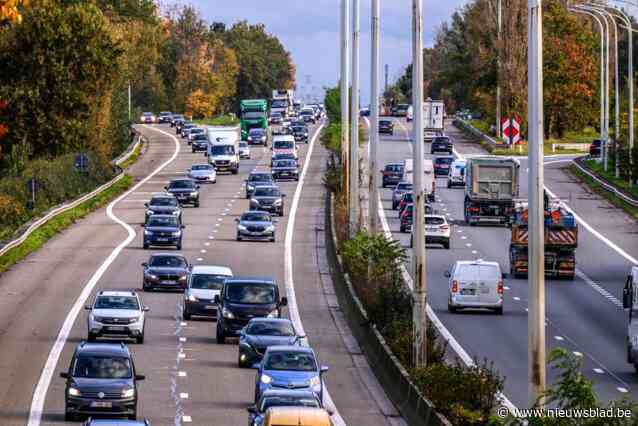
x,y
464,237
606,294
517,298
622,390
220,219
468,244
506,287
474,252
187,419
218,224
202,251
210,237
182,339
560,339
578,354
41,389
293,309
181,355
183,324
599,371
207,244
199,259
183,395
181,373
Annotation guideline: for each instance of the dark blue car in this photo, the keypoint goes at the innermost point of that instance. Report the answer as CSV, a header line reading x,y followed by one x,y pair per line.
x,y
260,334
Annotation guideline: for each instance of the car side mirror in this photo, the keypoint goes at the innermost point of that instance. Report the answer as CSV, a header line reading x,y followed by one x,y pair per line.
x,y
283,195
64,375
145,204
144,264
146,309
166,188
236,220
252,409
140,377
216,299
283,301
197,186
504,275
323,369
88,307
142,225
182,226
447,274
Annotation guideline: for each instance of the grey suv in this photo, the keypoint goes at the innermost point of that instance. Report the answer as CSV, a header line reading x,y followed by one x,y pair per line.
x,y
116,314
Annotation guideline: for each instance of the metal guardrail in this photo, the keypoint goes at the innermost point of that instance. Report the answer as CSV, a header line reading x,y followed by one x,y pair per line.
x,y
608,187
72,204
464,125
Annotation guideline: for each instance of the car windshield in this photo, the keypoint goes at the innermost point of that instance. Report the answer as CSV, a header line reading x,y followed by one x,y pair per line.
x,y
201,167
256,132
255,217
270,328
116,302
168,261
444,160
287,401
207,281
298,129
102,367
223,150
197,130
287,156
267,192
253,114
260,178
250,294
407,197
163,201
181,184
243,145
384,123
163,221
291,361
279,103
148,114
394,168
441,139
276,114
200,137
283,145
404,187
284,163
434,221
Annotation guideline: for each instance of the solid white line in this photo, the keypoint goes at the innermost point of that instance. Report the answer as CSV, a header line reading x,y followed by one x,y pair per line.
x,y
182,374
41,389
293,308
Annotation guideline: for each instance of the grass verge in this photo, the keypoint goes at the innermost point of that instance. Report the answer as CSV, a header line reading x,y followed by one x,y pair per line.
x,y
222,120
595,187
547,150
134,156
62,222
621,184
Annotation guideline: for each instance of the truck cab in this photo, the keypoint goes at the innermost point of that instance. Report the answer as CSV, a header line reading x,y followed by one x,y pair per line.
x,y
630,302
223,148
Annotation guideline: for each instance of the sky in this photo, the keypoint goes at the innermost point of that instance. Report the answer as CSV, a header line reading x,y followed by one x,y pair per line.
x,y
309,30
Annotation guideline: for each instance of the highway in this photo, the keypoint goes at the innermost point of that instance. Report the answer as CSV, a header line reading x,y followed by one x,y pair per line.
x,y
189,378
584,316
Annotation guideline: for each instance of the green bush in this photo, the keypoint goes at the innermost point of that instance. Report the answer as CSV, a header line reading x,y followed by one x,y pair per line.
x,y
331,138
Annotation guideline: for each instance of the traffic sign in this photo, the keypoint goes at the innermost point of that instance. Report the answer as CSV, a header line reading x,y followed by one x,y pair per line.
x,y
511,130
82,162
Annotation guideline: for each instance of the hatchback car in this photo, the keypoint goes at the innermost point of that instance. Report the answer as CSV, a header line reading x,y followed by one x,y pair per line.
x,y
164,117
163,230
391,174
166,271
269,199
163,203
257,137
441,144
244,150
185,190
300,133
276,118
407,216
257,178
456,177
195,131
101,379
147,118
175,118
386,126
290,367
272,398
475,284
256,225
406,198
259,334
243,299
285,169
199,143
595,149
116,314
437,231
398,191
202,173
205,282
442,165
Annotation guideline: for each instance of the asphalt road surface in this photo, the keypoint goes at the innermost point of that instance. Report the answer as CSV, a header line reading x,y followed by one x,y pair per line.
x,y
584,316
189,378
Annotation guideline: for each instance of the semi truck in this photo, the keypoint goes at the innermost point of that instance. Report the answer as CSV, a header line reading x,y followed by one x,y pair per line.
x,y
630,302
491,188
561,241
429,182
433,119
253,115
223,148
282,102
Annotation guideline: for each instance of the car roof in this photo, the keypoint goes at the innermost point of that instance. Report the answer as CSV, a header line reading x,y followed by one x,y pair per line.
x,y
251,280
168,255
285,138
477,262
309,415
197,165
267,186
162,195
260,172
439,216
212,269
290,348
117,349
117,422
271,320
118,293
162,216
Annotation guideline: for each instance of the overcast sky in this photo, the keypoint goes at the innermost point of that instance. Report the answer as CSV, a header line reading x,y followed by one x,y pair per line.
x,y
309,29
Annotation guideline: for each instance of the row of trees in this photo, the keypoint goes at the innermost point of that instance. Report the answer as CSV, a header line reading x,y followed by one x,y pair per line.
x,y
66,65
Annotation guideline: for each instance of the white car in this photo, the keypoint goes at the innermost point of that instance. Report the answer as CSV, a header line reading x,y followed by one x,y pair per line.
x,y
456,176
437,230
195,131
475,284
116,314
204,283
202,173
244,150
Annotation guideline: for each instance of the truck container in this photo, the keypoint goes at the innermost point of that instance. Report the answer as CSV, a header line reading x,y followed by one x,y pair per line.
x,y
282,102
491,187
429,181
630,302
433,119
223,148
561,241
254,114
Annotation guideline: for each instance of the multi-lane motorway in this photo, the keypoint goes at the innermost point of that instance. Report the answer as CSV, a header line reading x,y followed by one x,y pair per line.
x,y
583,316
189,378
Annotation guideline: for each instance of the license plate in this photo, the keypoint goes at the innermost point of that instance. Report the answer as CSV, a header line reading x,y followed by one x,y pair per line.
x,y
431,228
210,307
101,404
468,291
255,233
162,239
168,282
116,328
494,207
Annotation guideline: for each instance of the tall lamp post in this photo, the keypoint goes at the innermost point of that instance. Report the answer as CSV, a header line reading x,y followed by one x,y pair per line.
x,y
354,124
345,90
374,128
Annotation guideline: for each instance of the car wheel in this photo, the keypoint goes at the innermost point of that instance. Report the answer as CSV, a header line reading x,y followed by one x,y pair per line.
x,y
186,315
498,311
240,363
402,229
394,206
449,185
446,245
281,212
197,203
630,358
179,246
220,337
235,171
238,237
140,339
145,246
193,151
133,416
273,239
146,287
70,417
91,337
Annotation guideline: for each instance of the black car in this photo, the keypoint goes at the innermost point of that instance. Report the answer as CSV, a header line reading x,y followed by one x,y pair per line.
x,y
163,230
441,144
283,156
243,299
276,118
595,149
256,179
101,379
166,271
257,136
268,199
442,165
163,204
199,143
259,334
175,118
386,126
285,169
179,125
281,398
308,117
392,174
300,133
185,190
164,117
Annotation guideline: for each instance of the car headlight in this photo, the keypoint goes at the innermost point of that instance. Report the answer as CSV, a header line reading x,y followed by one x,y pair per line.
x,y
175,212
128,393
152,276
147,233
254,201
150,212
74,392
182,278
241,227
250,138
227,314
273,314
265,379
263,138
133,320
192,298
97,319
194,194
315,382
271,228
278,202
250,187
176,233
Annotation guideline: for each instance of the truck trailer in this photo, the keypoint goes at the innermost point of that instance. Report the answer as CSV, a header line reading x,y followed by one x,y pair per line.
x,y
254,114
433,119
630,302
283,102
429,181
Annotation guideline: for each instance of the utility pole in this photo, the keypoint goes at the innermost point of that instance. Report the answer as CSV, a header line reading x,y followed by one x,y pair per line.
x,y
536,248
374,115
499,24
387,73
354,124
345,90
418,229
129,101
607,81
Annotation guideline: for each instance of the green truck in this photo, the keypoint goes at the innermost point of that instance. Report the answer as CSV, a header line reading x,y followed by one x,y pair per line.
x,y
254,114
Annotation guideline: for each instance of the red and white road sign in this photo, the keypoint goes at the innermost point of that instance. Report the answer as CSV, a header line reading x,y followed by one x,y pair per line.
x,y
511,130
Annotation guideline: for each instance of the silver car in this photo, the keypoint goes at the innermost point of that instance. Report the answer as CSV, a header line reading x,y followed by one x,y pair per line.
x,y
195,131
475,284
116,314
256,225
244,150
204,283
202,173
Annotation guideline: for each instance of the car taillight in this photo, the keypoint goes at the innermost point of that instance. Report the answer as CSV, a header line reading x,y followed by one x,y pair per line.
x,y
455,286
499,289
474,209
444,227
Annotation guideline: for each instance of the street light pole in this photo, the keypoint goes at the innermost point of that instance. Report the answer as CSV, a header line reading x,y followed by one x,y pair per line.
x,y
536,250
129,101
374,128
418,228
499,23
345,90
354,123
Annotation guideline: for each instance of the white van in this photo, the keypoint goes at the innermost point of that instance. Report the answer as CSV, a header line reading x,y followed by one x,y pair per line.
x,y
429,181
284,144
456,176
409,116
475,284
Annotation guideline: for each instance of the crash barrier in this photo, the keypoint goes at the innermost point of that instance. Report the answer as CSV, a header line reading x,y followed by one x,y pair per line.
x,y
605,185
